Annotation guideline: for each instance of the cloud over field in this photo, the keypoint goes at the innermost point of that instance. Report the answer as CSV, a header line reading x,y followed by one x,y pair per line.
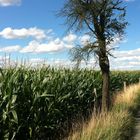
x,y
52,46
9,33
9,2
40,41
10,49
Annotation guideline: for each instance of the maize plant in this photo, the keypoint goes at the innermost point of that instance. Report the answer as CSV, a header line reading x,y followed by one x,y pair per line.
x,y
43,103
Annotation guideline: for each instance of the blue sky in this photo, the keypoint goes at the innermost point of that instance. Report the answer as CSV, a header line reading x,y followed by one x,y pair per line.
x,y
30,29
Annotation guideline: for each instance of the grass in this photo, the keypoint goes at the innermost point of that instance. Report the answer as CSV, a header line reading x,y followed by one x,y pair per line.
x,y
114,125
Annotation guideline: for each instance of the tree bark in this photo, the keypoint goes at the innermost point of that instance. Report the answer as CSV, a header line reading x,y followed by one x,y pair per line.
x,y
105,91
105,69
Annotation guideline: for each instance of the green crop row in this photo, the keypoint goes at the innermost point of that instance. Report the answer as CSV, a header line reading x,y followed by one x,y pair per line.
x,y
43,103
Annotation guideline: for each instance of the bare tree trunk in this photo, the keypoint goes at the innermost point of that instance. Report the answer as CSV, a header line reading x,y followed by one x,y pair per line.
x,y
104,65
105,91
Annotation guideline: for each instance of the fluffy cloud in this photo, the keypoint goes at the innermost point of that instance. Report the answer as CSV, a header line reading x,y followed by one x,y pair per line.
x,y
10,49
115,42
9,33
126,59
129,0
36,62
52,46
36,46
84,39
9,2
30,48
70,38
2,58
129,53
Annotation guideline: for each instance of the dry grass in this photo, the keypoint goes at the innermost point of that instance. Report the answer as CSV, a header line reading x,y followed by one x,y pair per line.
x,y
114,125
128,96
102,127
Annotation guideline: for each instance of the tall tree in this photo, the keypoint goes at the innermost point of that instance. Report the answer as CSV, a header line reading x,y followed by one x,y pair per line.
x,y
104,19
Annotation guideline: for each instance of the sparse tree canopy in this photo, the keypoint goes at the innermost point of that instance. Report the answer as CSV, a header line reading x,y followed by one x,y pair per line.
x,y
104,19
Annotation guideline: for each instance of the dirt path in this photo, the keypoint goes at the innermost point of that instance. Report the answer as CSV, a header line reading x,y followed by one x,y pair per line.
x,y
137,127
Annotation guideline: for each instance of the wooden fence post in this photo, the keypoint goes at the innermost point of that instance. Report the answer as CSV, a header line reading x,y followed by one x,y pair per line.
x,y
124,86
95,100
95,92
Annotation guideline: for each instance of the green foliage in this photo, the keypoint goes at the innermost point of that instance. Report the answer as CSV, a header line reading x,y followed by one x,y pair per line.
x,y
118,78
43,103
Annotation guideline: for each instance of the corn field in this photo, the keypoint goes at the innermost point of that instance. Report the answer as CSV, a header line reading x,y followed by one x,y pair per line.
x,y
43,104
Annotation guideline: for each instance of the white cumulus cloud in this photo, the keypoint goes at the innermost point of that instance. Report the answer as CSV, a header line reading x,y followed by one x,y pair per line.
x,y
9,33
129,0
10,49
9,2
128,60
70,38
30,48
84,39
52,46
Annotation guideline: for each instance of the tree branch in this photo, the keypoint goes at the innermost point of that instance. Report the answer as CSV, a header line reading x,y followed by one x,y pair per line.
x,y
89,26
